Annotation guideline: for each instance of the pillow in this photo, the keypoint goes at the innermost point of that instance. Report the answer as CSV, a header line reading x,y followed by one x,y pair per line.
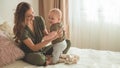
x,y
9,52
1,20
6,27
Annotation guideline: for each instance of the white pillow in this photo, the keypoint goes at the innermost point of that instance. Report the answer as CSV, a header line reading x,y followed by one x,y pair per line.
x,y
6,28
1,20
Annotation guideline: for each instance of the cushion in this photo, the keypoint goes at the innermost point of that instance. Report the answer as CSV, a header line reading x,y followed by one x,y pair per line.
x,y
1,20
6,27
9,52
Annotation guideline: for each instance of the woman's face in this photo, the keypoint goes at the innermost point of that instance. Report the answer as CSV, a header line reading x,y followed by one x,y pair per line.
x,y
29,15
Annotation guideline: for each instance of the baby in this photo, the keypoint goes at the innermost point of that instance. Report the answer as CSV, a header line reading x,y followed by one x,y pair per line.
x,y
59,44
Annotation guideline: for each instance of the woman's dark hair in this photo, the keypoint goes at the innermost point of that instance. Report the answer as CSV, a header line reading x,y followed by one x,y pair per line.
x,y
19,19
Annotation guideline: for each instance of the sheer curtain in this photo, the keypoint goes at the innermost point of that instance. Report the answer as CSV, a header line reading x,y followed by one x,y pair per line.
x,y
95,24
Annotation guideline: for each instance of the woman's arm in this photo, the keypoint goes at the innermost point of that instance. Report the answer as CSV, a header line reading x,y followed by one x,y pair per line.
x,y
35,47
47,39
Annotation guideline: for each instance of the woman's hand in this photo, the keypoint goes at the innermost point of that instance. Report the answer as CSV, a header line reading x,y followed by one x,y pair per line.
x,y
51,36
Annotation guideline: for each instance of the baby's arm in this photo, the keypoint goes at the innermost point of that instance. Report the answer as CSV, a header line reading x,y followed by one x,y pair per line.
x,y
48,35
59,28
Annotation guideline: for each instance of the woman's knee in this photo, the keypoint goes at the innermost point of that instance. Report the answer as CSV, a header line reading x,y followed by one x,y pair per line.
x,y
36,59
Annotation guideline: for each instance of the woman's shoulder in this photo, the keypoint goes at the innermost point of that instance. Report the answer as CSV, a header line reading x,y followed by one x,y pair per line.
x,y
39,22
38,17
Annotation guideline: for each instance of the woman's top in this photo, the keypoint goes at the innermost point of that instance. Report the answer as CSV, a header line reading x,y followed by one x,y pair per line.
x,y
35,36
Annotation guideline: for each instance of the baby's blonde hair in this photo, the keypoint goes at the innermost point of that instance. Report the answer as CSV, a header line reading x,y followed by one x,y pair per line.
x,y
56,11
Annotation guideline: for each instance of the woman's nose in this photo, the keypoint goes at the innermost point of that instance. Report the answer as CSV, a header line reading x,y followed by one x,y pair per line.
x,y
32,16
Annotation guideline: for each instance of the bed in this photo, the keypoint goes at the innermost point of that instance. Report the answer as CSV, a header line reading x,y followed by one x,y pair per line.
x,y
89,58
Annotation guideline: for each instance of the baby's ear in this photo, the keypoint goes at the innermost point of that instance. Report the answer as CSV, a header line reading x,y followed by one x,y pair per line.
x,y
59,19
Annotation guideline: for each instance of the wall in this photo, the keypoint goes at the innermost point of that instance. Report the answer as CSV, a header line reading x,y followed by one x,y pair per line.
x,y
7,9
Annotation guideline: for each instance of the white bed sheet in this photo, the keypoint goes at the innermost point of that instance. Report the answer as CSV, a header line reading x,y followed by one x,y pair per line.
x,y
89,58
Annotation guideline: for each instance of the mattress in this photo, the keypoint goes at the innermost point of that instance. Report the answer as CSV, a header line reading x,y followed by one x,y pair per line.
x,y
89,58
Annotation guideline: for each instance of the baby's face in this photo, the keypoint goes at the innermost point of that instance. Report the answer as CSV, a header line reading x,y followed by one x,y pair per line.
x,y
53,18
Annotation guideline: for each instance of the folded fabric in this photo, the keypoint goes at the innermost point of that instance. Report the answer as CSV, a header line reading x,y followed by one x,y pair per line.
x,y
69,58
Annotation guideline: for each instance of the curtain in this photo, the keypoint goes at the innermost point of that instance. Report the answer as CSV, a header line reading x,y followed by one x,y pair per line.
x,y
95,24
46,5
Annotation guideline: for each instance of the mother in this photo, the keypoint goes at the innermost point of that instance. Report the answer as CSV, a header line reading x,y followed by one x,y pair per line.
x,y
30,33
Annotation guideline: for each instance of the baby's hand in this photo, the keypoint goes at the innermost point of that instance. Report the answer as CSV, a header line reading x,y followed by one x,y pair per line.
x,y
51,36
60,33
